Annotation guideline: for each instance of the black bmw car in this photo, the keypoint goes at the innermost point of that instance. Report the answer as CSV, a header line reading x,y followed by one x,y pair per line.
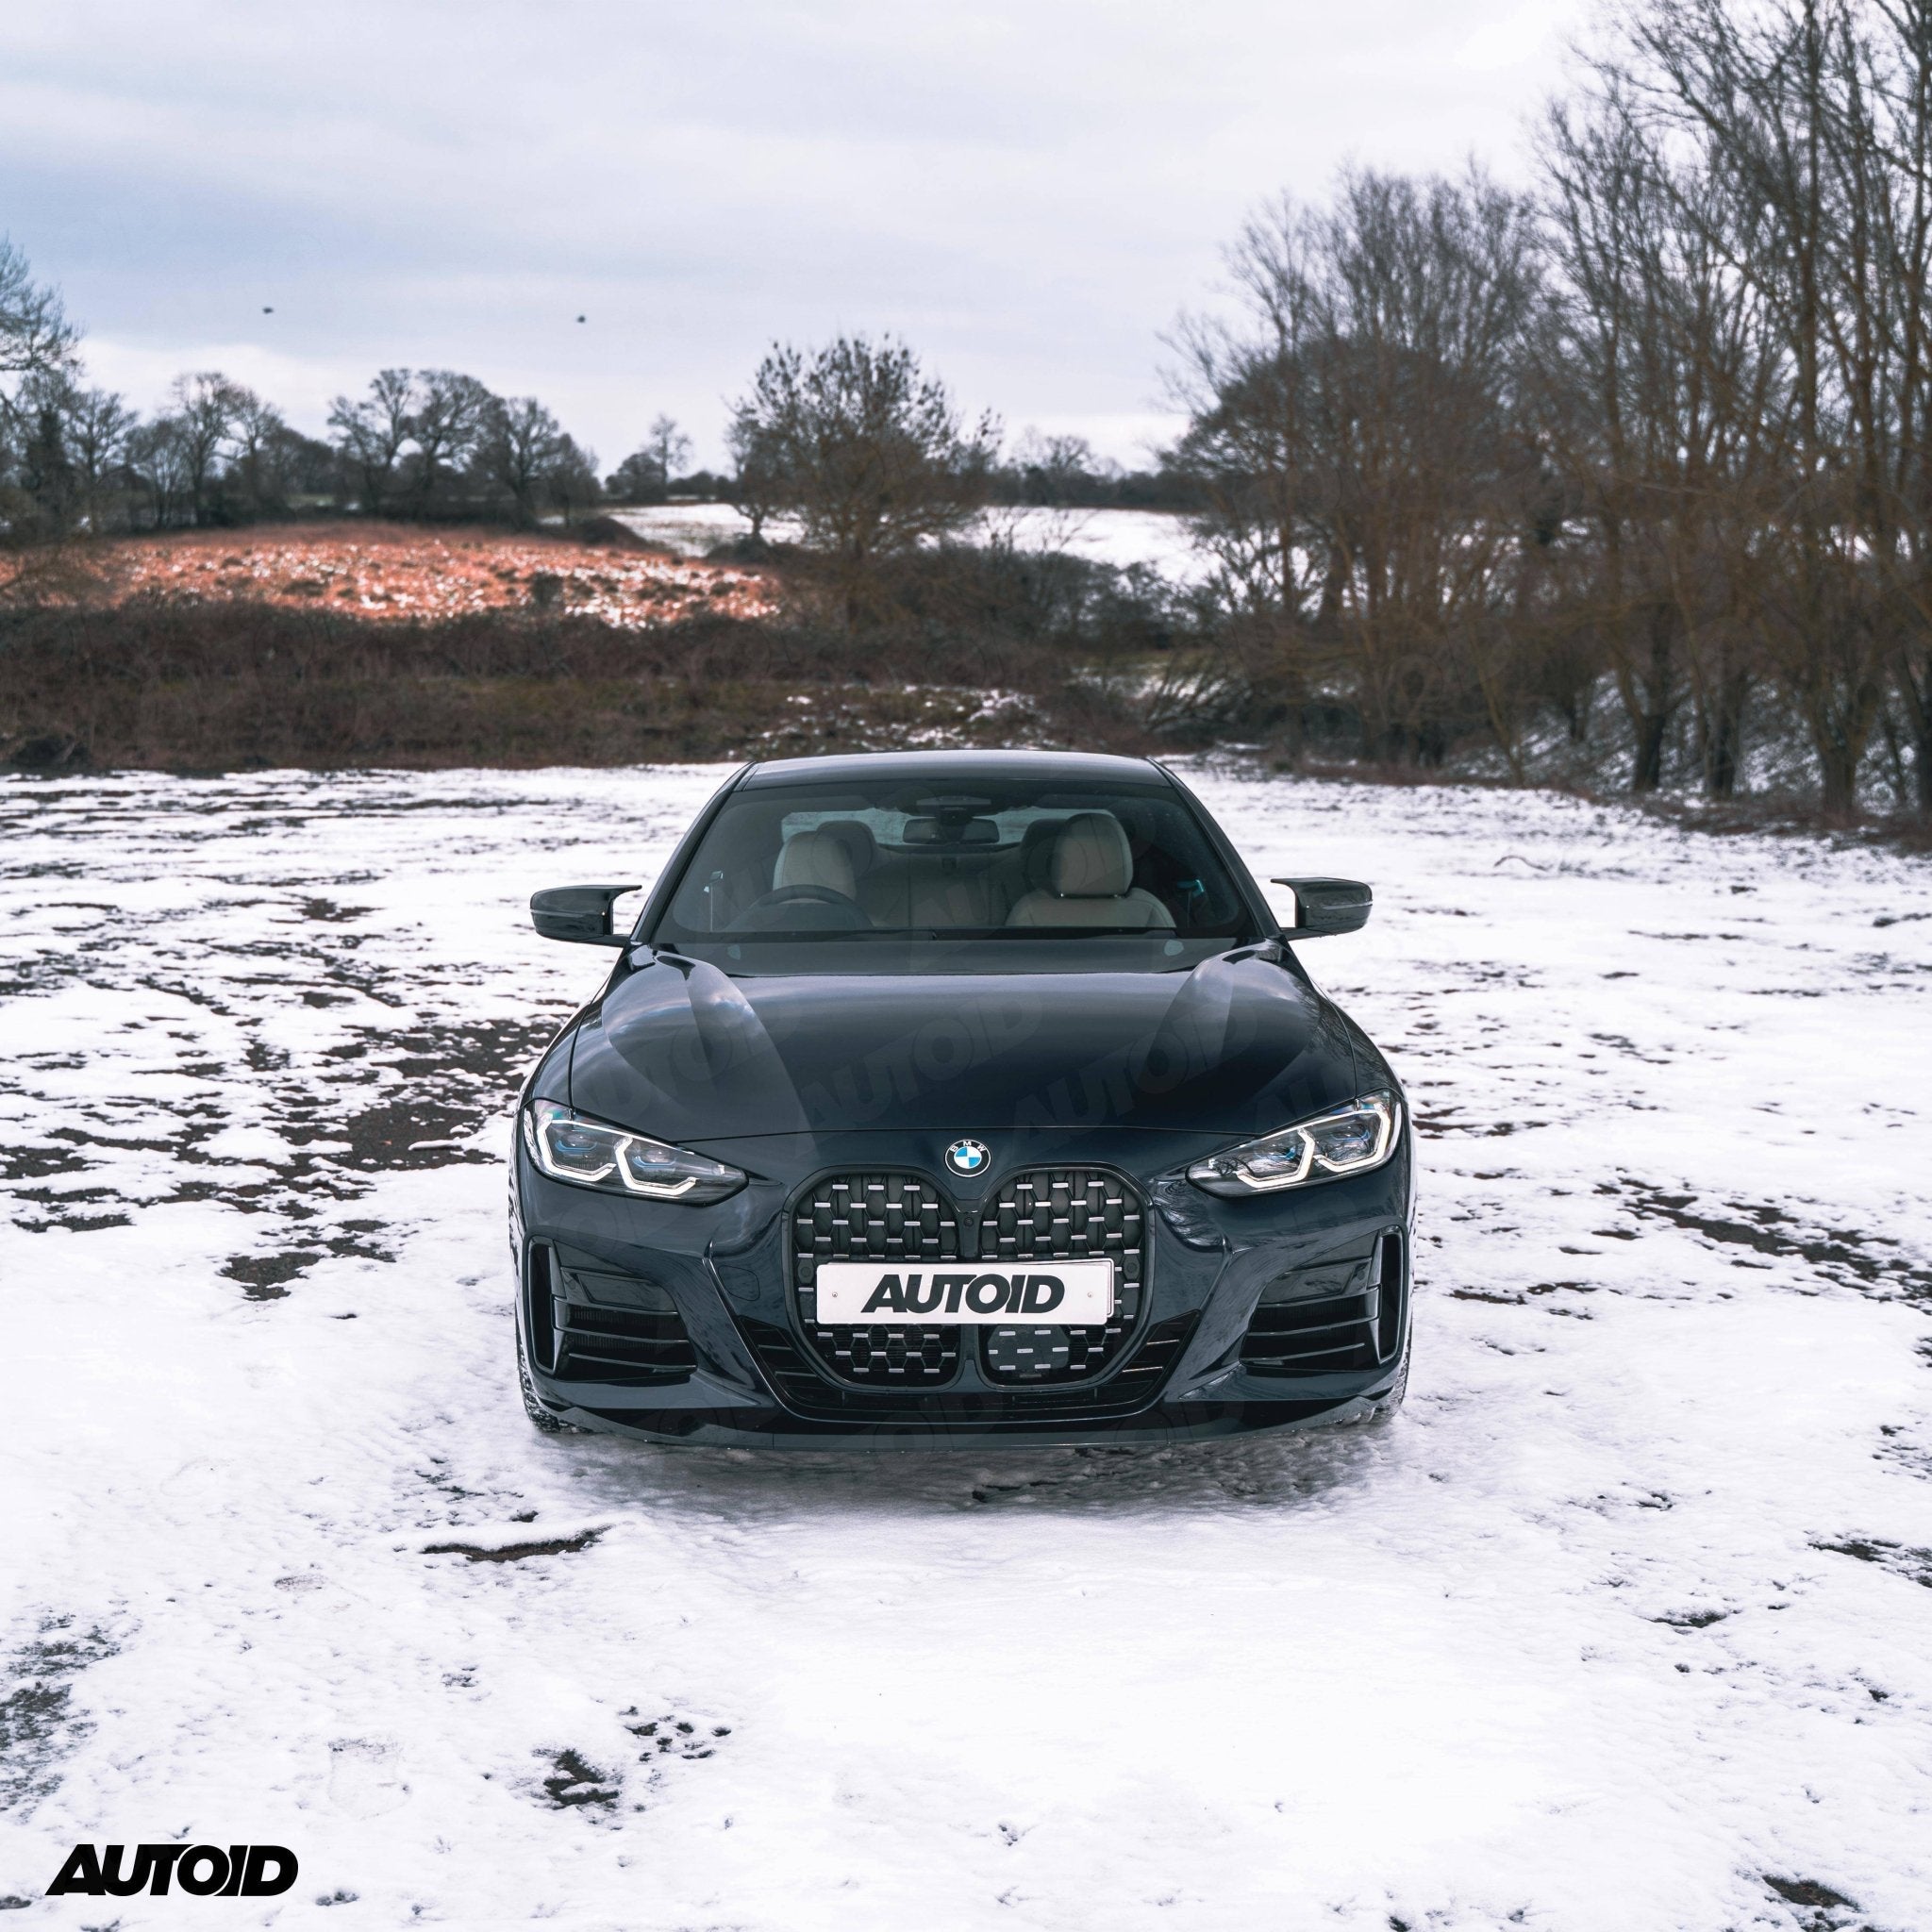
x,y
958,1099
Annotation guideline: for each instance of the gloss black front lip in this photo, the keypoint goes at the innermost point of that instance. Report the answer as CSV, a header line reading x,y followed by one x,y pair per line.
x,y
1153,1428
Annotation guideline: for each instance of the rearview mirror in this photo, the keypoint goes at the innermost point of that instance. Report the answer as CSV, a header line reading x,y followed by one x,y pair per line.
x,y
581,913
1326,906
951,832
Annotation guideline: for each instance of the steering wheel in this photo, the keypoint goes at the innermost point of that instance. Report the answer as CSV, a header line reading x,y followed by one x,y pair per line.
x,y
832,911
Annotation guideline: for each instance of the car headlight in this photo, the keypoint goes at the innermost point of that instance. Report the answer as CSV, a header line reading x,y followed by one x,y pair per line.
x,y
588,1154
1350,1139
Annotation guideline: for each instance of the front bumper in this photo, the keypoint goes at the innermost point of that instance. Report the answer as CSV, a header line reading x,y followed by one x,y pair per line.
x,y
739,1373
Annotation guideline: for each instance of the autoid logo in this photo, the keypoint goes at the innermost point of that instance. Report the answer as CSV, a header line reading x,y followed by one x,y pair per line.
x,y
200,1871
1077,1293
982,1294
968,1158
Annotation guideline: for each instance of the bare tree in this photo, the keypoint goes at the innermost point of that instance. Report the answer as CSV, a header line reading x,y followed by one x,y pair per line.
x,y
518,452
98,426
1252,453
45,475
206,407
36,340
1356,445
866,449
1658,381
634,479
1684,432
70,471
303,469
1057,471
1811,114
670,450
372,435
757,482
1903,134
158,454
258,445
447,415
570,479
646,474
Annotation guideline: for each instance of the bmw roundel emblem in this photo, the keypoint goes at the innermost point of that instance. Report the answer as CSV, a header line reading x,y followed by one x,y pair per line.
x,y
968,1158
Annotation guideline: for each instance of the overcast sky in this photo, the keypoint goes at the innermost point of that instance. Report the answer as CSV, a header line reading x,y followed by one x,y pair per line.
x,y
1026,190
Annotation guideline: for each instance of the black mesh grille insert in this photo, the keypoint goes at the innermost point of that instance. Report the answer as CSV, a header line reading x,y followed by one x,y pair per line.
x,y
874,1217
1133,1386
1061,1215
1049,1214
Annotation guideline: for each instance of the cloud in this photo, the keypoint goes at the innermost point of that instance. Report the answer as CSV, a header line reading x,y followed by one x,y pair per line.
x,y
1517,40
302,387
1026,191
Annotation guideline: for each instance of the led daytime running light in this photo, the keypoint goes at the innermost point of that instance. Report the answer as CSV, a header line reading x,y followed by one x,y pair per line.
x,y
553,1133
1296,1156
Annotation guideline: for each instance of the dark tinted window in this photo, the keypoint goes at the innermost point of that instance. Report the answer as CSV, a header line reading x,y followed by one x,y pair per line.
x,y
993,863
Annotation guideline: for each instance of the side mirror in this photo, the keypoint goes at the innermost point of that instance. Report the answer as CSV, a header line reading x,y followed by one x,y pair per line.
x,y
581,913
1326,906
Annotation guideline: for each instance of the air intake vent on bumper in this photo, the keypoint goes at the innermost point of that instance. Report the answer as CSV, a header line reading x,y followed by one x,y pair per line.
x,y
606,1328
1340,1312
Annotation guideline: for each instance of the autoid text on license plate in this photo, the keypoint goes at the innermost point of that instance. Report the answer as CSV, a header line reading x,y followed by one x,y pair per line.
x,y
1063,1294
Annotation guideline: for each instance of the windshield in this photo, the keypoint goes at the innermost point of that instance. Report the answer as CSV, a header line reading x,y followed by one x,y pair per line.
x,y
1006,877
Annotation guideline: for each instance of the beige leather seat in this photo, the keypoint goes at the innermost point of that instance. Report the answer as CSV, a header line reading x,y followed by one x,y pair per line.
x,y
1090,882
818,858
856,836
930,892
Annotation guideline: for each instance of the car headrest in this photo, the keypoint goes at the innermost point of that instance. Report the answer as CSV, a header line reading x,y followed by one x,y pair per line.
x,y
1091,858
860,846
1036,852
816,857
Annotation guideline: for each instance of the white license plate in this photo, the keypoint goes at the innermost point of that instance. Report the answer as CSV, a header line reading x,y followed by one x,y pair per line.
x,y
1076,1294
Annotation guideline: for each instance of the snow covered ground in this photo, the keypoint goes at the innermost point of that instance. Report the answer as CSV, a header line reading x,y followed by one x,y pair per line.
x,y
1623,1624
1119,537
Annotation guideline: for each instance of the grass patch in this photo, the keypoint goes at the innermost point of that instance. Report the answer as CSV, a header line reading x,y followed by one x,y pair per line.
x,y
238,687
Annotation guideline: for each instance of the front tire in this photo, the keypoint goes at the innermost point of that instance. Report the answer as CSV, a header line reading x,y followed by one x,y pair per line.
x,y
541,1418
1386,1409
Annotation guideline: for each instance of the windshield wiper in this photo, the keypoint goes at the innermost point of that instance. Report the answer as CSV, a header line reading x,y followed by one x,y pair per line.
x,y
951,935
1057,933
794,938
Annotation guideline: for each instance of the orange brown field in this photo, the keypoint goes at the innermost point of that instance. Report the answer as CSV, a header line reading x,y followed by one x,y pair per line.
x,y
396,573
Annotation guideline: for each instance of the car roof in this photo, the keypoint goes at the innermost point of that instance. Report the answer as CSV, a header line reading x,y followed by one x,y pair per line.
x,y
1074,767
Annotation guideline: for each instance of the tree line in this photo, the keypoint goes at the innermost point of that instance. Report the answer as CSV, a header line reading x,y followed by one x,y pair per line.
x,y
418,444
1654,432
421,444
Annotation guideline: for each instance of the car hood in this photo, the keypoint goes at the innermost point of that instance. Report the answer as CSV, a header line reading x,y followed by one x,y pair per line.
x,y
679,1050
